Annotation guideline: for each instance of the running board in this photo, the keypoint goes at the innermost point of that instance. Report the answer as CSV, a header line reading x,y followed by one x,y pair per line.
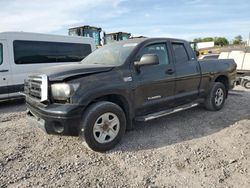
x,y
165,112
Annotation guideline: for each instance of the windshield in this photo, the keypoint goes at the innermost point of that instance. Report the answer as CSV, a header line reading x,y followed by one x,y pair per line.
x,y
111,54
94,34
73,32
125,37
109,39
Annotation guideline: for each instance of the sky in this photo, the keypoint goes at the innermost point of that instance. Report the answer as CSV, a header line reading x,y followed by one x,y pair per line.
x,y
186,19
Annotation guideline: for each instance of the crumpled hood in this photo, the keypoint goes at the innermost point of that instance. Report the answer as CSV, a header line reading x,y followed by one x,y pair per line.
x,y
61,72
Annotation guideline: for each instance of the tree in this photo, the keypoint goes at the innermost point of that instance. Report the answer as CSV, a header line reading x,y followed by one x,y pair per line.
x,y
207,39
220,41
237,40
198,40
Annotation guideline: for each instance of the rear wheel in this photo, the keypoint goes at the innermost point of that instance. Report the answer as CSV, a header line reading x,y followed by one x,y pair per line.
x,y
103,126
216,97
247,84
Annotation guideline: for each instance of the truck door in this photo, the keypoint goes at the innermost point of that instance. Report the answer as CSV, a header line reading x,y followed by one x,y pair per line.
x,y
187,74
4,69
154,88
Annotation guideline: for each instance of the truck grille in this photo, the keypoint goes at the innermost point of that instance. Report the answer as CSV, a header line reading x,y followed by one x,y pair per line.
x,y
36,86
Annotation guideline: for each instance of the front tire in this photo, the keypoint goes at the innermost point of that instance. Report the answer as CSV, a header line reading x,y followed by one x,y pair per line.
x,y
104,125
216,97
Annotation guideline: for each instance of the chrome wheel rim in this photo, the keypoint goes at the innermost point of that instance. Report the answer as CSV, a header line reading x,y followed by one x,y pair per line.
x,y
106,128
219,97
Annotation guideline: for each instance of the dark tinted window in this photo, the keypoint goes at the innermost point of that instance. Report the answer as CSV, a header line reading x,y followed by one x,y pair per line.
x,y
1,53
180,53
157,49
30,52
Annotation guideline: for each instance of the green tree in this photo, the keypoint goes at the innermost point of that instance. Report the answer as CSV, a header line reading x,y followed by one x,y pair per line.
x,y
207,39
197,40
237,39
220,41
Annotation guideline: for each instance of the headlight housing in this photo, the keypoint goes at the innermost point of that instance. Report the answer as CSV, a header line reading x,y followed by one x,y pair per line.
x,y
63,91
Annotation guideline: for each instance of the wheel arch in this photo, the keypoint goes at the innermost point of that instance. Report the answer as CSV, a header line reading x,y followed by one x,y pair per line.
x,y
119,100
224,80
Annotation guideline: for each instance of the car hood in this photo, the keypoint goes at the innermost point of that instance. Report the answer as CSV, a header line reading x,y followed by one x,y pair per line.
x,y
62,72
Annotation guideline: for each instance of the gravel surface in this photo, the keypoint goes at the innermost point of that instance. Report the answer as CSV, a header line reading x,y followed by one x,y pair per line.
x,y
194,148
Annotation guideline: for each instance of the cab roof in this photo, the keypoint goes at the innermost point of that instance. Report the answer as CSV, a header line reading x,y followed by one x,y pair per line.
x,y
139,40
86,27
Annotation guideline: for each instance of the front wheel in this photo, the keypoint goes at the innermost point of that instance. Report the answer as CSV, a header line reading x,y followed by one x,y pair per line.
x,y
103,126
216,97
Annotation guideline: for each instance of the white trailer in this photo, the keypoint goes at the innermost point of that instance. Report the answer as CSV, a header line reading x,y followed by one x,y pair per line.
x,y
242,59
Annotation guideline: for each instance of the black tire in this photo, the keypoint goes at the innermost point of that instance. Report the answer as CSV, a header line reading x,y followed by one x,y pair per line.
x,y
210,102
91,115
247,84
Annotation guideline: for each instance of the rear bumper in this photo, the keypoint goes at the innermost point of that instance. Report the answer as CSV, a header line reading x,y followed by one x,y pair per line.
x,y
56,119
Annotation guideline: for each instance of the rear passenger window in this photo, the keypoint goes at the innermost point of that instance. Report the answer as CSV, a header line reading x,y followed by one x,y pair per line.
x,y
180,53
1,53
32,52
157,49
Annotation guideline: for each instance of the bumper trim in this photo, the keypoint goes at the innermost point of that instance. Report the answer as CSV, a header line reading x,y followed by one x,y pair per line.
x,y
58,119
34,120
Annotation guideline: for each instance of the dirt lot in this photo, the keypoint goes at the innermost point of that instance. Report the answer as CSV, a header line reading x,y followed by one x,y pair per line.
x,y
195,148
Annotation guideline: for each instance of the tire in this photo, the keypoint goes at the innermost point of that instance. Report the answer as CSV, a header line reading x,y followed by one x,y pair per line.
x,y
247,84
103,125
216,97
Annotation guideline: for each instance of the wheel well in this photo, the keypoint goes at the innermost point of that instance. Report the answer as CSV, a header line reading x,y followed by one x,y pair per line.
x,y
119,100
224,80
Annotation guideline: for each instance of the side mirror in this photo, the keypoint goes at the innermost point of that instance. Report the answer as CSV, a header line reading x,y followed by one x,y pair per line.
x,y
147,59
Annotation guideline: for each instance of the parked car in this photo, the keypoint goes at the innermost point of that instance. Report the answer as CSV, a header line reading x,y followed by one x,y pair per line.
x,y
23,53
135,80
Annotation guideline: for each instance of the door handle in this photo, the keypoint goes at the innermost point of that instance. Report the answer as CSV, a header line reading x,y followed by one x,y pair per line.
x,y
4,70
170,71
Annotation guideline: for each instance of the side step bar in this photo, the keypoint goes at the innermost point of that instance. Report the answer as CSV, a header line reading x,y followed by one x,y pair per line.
x,y
165,112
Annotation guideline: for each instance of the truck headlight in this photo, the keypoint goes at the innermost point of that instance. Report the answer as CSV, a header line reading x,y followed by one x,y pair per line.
x,y
63,91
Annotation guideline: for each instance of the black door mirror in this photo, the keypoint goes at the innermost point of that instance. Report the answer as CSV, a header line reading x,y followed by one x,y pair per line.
x,y
147,59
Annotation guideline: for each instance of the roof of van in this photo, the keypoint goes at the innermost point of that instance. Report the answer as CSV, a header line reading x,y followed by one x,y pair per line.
x,y
11,34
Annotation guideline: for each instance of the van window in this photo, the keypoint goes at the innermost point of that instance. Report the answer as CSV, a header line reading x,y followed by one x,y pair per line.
x,y
180,53
1,53
32,52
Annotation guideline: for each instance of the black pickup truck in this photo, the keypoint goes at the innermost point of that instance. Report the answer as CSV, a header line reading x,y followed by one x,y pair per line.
x,y
134,80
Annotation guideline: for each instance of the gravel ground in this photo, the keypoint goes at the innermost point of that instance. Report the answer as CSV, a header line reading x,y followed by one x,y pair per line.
x,y
194,148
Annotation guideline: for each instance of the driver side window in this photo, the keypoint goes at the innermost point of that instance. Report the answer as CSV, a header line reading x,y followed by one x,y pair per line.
x,y
158,49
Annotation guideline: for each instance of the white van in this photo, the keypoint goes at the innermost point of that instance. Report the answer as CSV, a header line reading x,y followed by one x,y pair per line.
x,y
23,53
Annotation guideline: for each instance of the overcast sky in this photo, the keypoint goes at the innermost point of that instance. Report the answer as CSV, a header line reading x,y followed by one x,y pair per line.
x,y
185,19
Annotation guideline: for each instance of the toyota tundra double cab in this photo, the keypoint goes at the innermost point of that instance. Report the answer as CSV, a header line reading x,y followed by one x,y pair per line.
x,y
99,98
